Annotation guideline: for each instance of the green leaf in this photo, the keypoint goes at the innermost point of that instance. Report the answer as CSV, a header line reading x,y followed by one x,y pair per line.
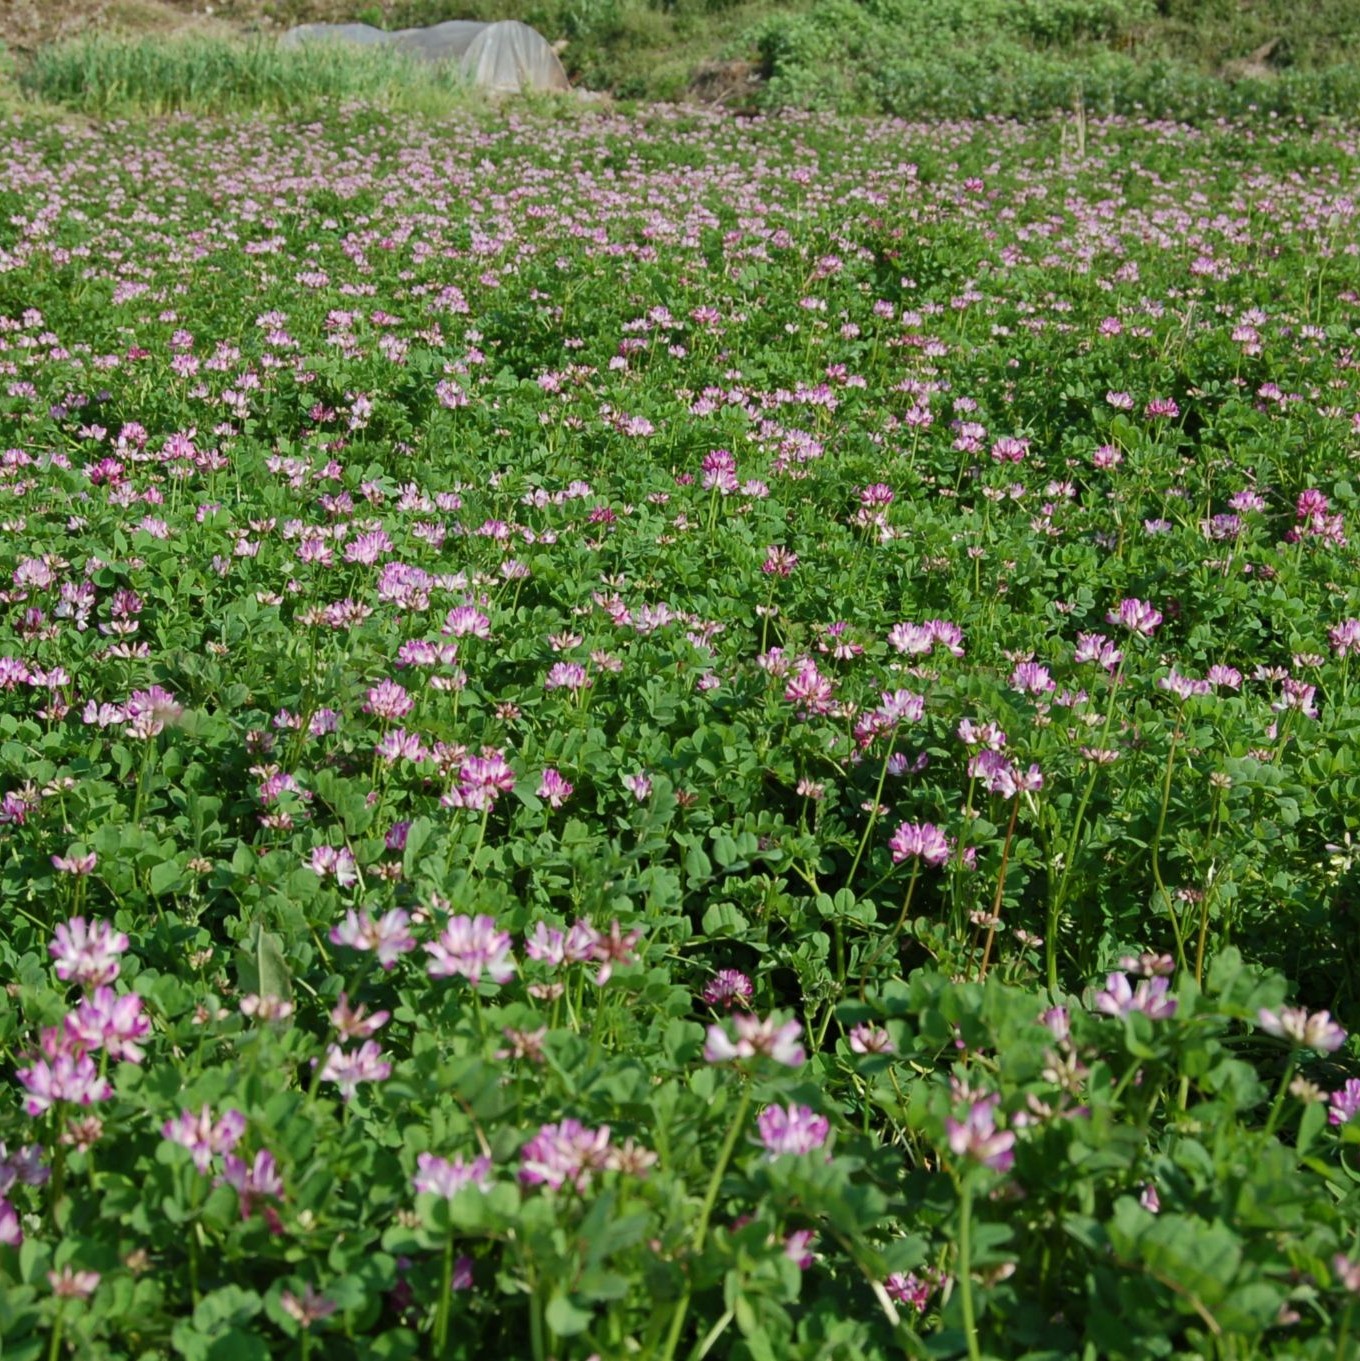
x,y
1313,1118
565,1318
225,1306
165,877
261,967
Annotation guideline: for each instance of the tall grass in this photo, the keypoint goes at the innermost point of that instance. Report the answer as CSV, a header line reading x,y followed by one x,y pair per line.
x,y
106,75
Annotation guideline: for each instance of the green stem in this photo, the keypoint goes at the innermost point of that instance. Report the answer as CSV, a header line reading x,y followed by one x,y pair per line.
x,y
873,812
701,1232
536,1326
54,1346
1277,1106
1157,839
965,1267
441,1317
999,900
1060,896
481,837
892,935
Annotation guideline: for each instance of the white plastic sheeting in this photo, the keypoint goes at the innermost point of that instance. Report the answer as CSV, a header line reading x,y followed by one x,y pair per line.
x,y
507,56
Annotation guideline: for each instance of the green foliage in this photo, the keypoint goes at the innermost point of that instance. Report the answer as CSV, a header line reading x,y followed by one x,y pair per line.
x,y
104,75
900,960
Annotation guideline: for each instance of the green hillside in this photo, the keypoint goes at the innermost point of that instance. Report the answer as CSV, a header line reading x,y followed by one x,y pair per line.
x,y
1181,58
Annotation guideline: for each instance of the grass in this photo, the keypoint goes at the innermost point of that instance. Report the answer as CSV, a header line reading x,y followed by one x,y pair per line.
x,y
104,75
1189,59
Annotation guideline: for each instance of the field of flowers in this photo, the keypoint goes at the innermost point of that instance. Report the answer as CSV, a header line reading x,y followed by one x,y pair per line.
x,y
678,738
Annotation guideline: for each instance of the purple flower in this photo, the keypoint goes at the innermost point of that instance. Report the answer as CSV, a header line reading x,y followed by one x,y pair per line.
x,y
791,1129
107,1021
798,1248
553,788
728,988
389,937
64,1075
388,700
11,1234
327,860
1345,1103
87,953
442,1177
1118,998
466,621
347,1070
908,1289
567,676
997,775
469,947
1303,1031
258,1180
203,1136
920,841
1137,616
868,1039
977,1137
564,1154
1032,678
780,1042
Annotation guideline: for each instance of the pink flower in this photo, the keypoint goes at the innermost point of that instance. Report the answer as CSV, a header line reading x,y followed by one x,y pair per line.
x,y
554,788
728,988
977,1137
811,691
639,786
920,841
87,953
567,676
1345,637
1118,998
1030,678
203,1136
347,1070
481,781
1137,616
997,775
330,860
617,947
1303,1031
440,1177
769,1037
388,937
564,1154
254,1181
104,1020
791,1129
65,1075
73,1285
75,864
798,1248
465,621
908,1289
469,947
868,1039
1347,1272
388,700
11,1232
352,1023
1344,1104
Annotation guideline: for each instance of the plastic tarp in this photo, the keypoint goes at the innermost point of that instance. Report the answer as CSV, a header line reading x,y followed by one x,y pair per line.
x,y
506,56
